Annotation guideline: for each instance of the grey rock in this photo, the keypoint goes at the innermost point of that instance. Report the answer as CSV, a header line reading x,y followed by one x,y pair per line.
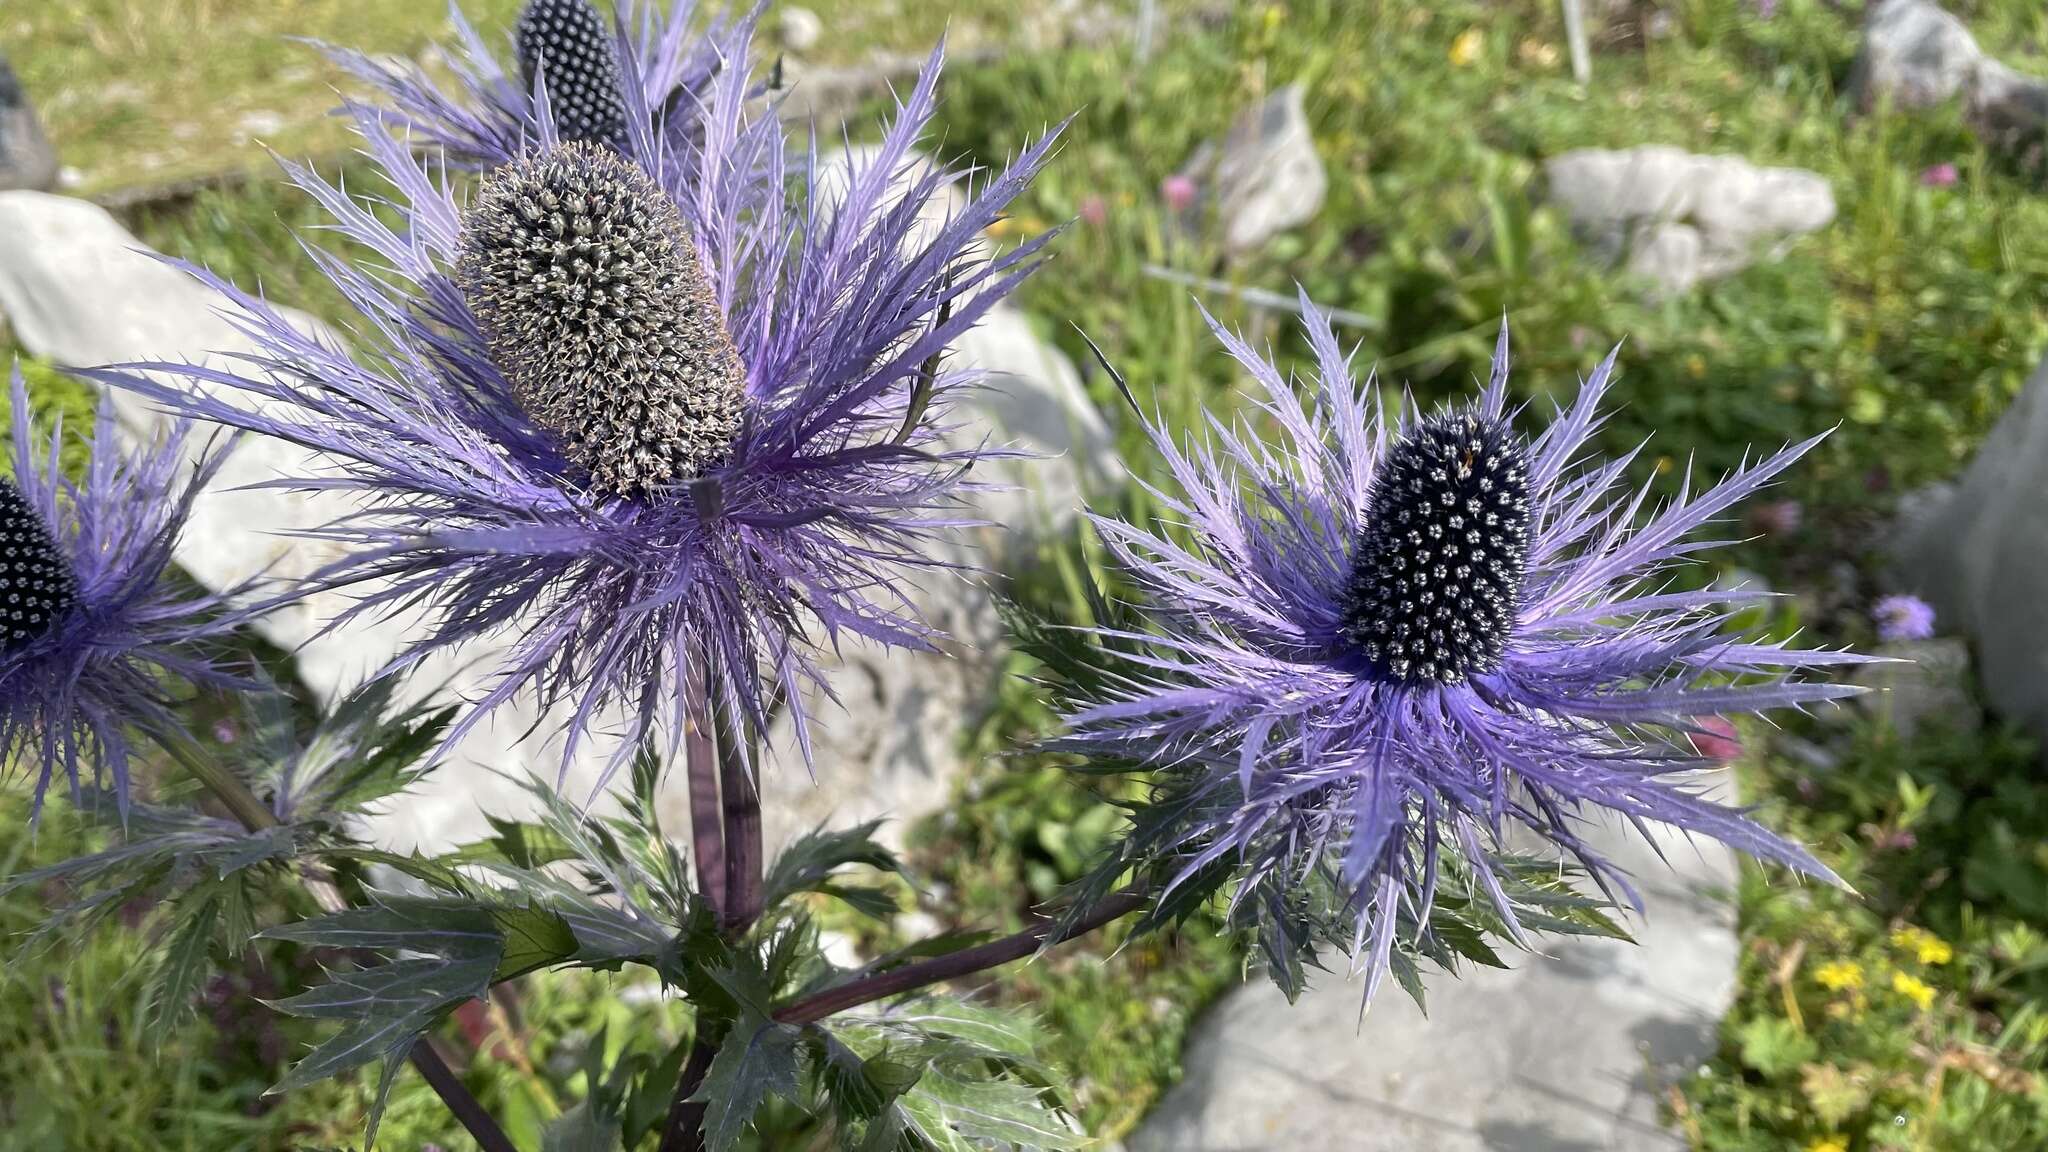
x,y
1914,54
1980,557
799,28
1668,255
1029,399
1929,681
2009,109
27,161
1266,176
1677,218
1569,1051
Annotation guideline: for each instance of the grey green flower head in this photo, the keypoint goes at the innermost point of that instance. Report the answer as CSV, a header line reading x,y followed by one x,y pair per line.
x,y
587,287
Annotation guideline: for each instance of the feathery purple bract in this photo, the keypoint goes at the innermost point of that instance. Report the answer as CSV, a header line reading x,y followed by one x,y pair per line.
x,y
795,534
107,635
1383,641
494,111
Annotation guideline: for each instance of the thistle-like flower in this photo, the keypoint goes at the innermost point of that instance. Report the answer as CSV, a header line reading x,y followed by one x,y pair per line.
x,y
625,82
566,51
585,283
1385,640
655,418
95,633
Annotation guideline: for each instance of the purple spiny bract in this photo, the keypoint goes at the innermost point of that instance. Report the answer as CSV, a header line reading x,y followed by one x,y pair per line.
x,y
725,466
627,82
1386,641
97,629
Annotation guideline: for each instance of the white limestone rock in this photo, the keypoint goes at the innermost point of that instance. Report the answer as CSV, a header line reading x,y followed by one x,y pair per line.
x,y
1678,218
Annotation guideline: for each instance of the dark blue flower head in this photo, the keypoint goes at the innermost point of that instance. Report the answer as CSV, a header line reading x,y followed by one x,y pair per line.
x,y
95,633
645,415
1385,640
625,81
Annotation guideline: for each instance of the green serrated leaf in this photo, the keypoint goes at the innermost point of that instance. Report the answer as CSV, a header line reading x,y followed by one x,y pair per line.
x,y
810,860
950,1110
414,984
859,1089
365,1040
434,872
534,938
442,926
758,1059
1006,1034
175,984
581,1129
873,903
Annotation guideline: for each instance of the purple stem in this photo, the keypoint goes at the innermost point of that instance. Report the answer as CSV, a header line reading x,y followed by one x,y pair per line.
x,y
707,834
954,965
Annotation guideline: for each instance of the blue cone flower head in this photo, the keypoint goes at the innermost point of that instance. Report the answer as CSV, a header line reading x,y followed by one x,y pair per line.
x,y
621,74
95,634
1379,636
648,416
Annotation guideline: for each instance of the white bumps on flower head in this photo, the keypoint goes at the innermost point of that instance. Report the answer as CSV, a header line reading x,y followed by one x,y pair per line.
x,y
586,284
1437,576
567,44
37,586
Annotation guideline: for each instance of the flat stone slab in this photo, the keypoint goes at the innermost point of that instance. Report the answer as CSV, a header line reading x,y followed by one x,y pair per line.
x,y
1570,1051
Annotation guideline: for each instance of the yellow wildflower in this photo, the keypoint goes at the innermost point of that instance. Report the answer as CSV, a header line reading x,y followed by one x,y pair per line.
x,y
1924,945
1840,975
1466,48
1913,988
1827,1144
1009,226
1536,53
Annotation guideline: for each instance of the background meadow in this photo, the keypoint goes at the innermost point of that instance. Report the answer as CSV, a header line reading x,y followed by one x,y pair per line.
x,y
1909,1018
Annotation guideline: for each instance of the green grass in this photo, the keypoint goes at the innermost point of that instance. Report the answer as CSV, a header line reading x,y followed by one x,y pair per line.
x,y
1909,1016
1910,323
157,91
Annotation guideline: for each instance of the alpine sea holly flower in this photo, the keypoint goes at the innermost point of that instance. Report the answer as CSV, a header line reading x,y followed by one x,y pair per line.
x,y
566,51
644,420
1383,641
94,633
625,82
1903,618
586,286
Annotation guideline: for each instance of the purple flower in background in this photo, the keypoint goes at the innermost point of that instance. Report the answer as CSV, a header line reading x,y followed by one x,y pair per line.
x,y
1779,517
1903,618
656,416
93,636
1178,192
1939,176
1383,641
629,81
